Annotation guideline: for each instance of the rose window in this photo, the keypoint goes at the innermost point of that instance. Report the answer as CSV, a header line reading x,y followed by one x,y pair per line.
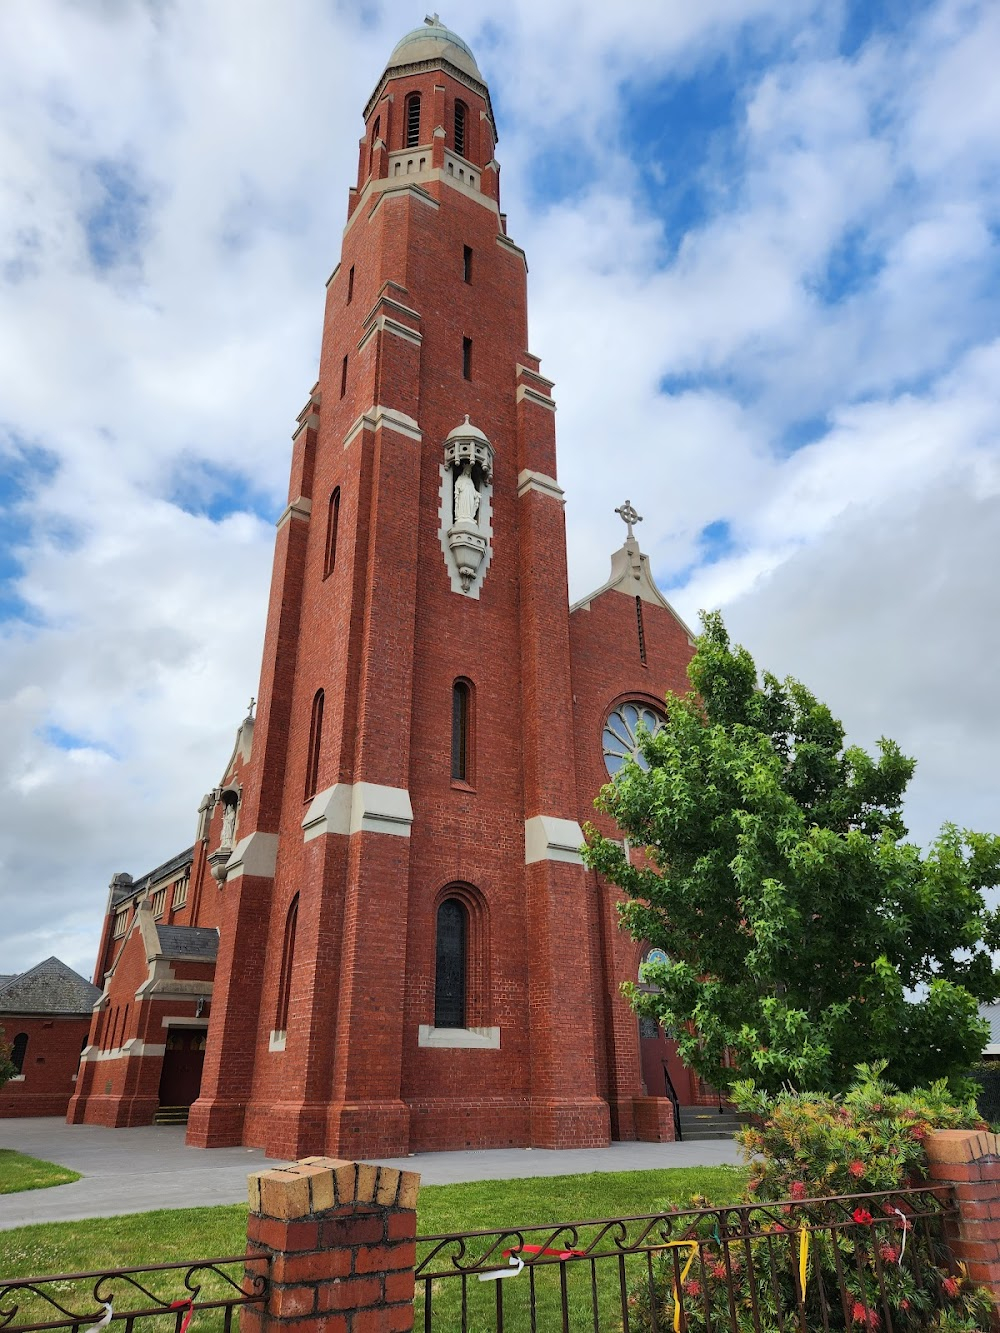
x,y
621,737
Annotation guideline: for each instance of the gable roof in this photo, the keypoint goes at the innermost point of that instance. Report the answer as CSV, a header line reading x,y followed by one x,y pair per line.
x,y
631,574
201,942
48,988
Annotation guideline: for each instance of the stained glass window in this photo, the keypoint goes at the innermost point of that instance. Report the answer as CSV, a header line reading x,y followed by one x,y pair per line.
x,y
621,737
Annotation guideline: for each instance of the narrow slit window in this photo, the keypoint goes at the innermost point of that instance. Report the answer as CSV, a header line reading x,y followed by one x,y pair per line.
x,y
376,132
467,262
350,284
413,120
460,112
287,959
332,526
343,377
467,358
315,745
641,628
460,731
449,978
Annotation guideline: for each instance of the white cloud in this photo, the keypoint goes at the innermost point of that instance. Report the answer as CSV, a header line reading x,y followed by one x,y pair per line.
x,y
843,273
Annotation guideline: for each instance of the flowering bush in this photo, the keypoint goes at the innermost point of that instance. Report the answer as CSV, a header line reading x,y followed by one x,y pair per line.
x,y
806,1145
847,1262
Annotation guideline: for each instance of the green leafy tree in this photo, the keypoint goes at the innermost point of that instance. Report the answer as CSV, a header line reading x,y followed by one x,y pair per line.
x,y
7,1070
804,935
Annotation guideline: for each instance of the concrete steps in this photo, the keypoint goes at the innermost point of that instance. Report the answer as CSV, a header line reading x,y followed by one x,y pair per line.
x,y
706,1122
171,1115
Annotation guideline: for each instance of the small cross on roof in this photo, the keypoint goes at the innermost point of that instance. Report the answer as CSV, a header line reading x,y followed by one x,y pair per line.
x,y
628,516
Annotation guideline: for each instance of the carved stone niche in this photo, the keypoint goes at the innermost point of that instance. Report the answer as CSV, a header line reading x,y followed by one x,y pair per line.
x,y
467,483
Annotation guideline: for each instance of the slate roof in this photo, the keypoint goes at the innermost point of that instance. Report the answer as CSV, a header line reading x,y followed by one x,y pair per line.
x,y
188,942
48,988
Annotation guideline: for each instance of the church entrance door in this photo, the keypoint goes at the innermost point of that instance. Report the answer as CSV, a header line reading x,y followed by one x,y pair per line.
x,y
180,1080
660,1058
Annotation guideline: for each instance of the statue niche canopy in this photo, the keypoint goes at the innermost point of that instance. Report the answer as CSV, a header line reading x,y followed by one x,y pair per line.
x,y
468,461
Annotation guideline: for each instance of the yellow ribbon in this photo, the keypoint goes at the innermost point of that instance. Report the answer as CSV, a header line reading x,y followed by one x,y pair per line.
x,y
676,1245
803,1260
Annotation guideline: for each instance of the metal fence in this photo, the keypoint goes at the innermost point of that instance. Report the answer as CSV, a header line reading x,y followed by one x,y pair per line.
x,y
872,1261
163,1298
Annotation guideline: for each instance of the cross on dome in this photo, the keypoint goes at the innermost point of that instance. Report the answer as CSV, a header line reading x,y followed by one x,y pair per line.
x,y
433,20
628,516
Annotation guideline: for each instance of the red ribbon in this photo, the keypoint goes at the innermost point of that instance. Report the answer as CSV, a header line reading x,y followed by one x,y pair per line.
x,y
537,1249
180,1305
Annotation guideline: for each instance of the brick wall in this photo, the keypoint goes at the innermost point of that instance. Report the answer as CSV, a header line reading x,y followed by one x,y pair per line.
x,y
339,1238
50,1065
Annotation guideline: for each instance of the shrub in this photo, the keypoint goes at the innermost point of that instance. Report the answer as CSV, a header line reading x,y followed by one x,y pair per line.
x,y
868,1260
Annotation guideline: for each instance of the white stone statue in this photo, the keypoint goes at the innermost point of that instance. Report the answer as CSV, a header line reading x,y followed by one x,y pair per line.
x,y
228,824
466,495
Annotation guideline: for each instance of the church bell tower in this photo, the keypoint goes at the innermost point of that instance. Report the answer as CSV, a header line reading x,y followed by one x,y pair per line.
x,y
406,954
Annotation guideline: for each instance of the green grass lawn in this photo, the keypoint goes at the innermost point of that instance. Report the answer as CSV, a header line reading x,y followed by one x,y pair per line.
x,y
20,1172
171,1236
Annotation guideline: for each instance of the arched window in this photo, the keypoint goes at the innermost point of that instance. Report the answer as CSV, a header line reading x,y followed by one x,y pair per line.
x,y
332,524
413,120
460,112
376,132
449,975
461,731
18,1051
315,744
287,958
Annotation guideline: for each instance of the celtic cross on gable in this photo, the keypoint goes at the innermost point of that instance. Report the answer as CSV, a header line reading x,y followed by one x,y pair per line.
x,y
628,516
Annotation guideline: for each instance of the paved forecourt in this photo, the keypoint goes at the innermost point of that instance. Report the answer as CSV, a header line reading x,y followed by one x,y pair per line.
x,y
135,1170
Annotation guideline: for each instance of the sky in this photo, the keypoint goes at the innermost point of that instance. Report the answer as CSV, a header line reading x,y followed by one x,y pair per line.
x,y
764,250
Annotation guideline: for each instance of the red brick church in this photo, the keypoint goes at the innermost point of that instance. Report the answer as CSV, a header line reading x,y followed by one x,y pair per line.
x,y
384,938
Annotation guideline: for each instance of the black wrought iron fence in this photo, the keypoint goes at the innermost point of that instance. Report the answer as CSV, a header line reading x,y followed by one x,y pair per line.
x,y
870,1261
161,1298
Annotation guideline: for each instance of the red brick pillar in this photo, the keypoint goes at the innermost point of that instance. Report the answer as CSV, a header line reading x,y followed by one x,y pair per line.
x,y
969,1160
340,1238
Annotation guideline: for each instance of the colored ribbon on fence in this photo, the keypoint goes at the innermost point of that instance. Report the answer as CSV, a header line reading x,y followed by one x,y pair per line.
x,y
517,1263
516,1266
188,1304
104,1320
695,1246
803,1260
906,1227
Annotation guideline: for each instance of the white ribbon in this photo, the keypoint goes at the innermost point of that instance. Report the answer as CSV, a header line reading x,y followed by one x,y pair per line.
x,y
104,1320
516,1264
906,1227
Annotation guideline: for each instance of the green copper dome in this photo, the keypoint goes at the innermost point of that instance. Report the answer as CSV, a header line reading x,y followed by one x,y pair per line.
x,y
433,41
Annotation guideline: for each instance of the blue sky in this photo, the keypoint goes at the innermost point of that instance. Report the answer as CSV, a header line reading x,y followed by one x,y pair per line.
x,y
763,250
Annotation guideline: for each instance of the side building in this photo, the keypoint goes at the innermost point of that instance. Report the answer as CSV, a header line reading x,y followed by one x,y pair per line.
x,y
411,952
45,1016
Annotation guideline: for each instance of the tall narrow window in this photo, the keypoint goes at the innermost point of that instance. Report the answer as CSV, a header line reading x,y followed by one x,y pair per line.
x,y
18,1051
315,744
449,977
413,120
376,132
641,628
287,958
332,525
350,284
467,262
460,128
467,358
460,731
343,377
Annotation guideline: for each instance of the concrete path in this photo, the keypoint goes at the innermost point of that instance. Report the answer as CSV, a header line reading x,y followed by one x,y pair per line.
x,y
135,1170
